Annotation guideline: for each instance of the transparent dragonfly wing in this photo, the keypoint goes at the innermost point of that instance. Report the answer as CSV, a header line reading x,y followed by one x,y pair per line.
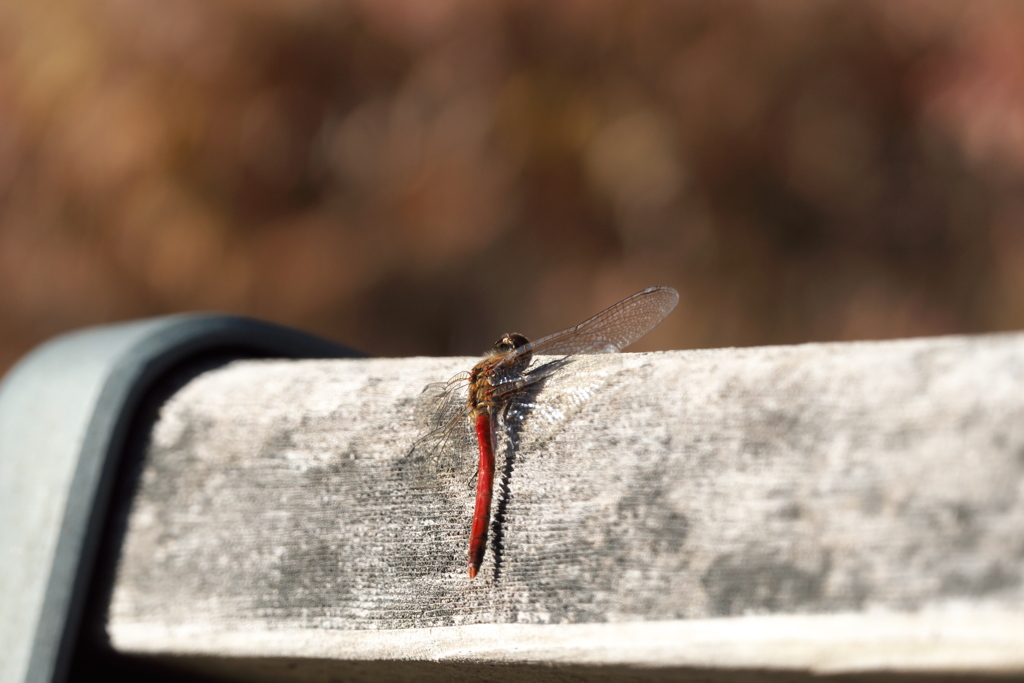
x,y
553,396
448,445
446,453
442,413
611,330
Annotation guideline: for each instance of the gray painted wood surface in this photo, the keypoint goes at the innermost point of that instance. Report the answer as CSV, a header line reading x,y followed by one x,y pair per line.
x,y
814,508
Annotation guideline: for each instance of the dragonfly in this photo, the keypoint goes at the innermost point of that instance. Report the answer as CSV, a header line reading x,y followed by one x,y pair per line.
x,y
483,396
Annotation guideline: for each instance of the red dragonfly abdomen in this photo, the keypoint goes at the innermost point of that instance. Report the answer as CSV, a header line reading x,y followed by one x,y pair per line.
x,y
484,488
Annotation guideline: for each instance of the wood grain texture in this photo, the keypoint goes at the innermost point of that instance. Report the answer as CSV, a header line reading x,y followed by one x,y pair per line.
x,y
859,501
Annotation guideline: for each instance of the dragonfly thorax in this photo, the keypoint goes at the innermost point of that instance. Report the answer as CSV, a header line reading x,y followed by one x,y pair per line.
x,y
490,379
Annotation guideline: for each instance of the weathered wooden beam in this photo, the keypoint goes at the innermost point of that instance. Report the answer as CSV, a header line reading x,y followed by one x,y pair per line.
x,y
823,508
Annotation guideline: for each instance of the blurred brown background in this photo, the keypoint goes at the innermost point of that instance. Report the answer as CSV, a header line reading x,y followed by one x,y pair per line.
x,y
411,177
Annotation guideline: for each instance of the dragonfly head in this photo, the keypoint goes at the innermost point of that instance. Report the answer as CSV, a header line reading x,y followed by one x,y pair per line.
x,y
509,343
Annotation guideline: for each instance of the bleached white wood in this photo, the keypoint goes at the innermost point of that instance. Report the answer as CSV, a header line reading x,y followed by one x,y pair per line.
x,y
814,508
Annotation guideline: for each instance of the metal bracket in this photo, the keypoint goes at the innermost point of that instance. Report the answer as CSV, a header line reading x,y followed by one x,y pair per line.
x,y
65,411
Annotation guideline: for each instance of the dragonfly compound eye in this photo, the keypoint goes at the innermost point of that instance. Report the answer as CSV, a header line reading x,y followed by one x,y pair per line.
x,y
510,342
